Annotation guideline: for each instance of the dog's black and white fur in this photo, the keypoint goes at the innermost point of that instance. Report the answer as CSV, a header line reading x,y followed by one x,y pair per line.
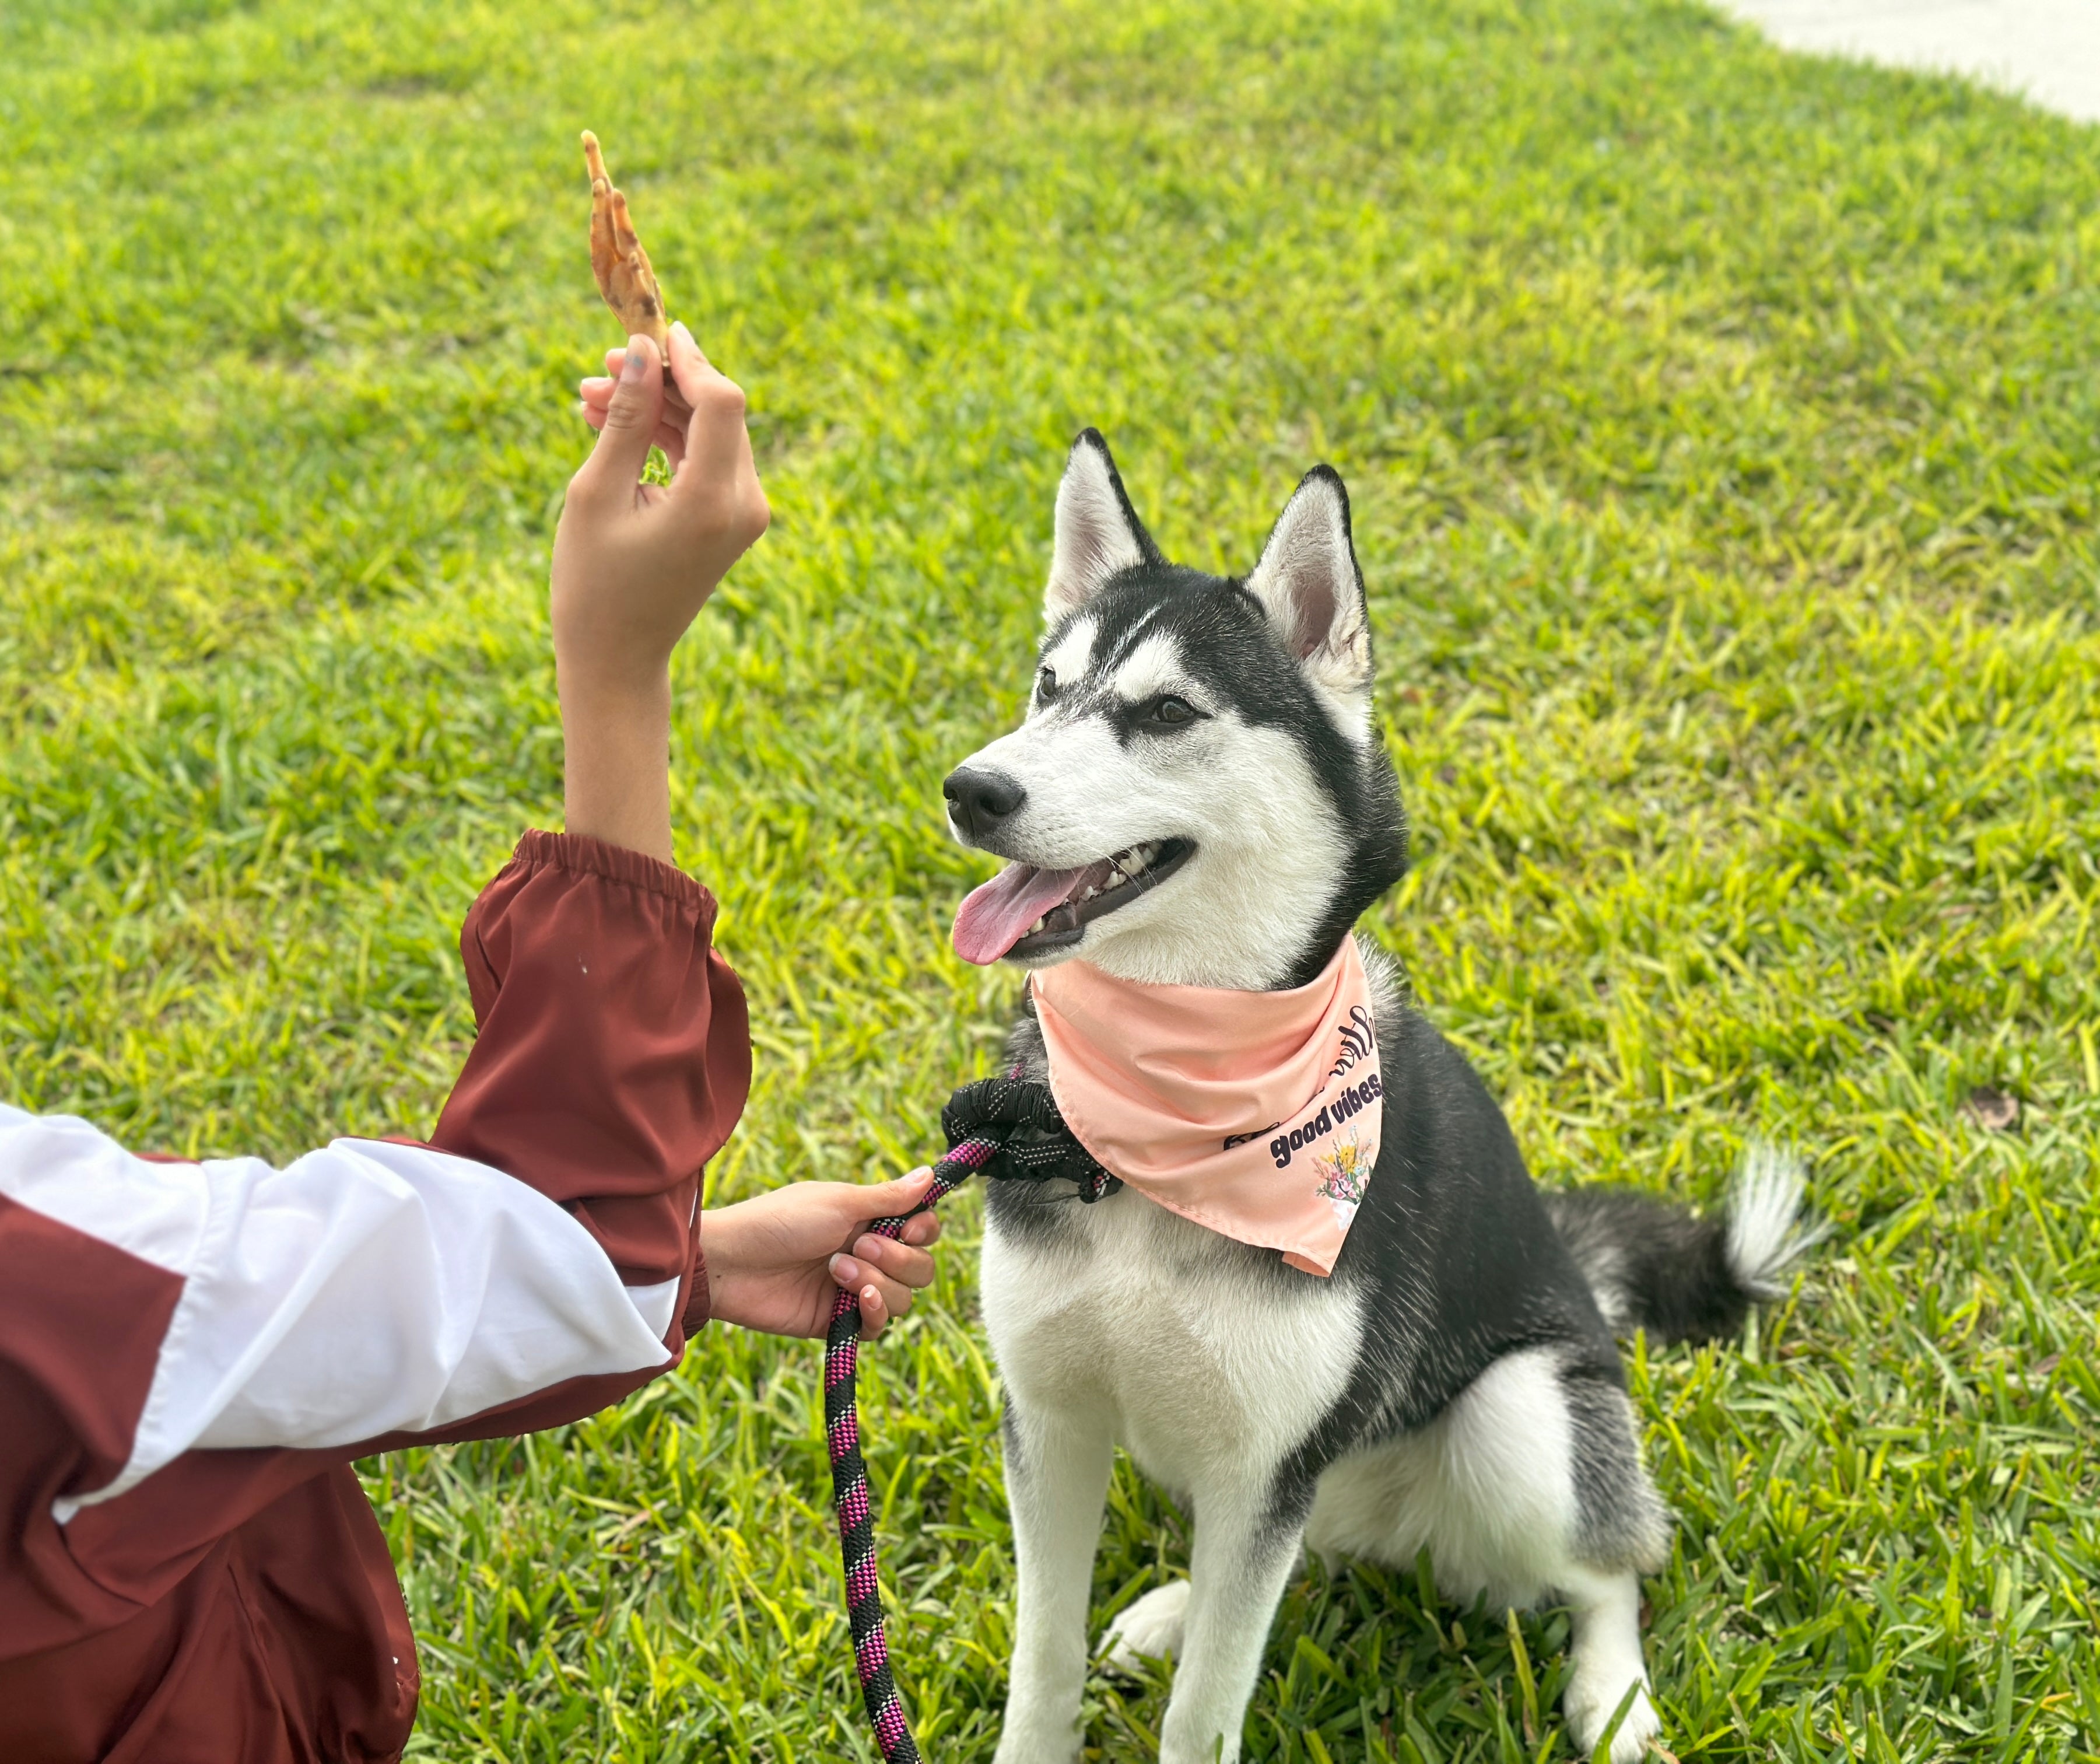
x,y
1455,1383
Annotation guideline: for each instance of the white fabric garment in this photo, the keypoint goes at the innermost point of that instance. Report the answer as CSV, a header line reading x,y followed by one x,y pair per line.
x,y
366,1287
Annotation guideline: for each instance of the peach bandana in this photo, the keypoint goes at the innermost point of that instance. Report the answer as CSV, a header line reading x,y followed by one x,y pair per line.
x,y
1256,1114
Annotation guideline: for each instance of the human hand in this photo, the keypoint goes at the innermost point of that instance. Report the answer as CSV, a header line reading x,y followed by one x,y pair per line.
x,y
777,1261
594,399
633,564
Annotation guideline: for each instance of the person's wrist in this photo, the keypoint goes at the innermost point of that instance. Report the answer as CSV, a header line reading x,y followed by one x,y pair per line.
x,y
719,1234
593,688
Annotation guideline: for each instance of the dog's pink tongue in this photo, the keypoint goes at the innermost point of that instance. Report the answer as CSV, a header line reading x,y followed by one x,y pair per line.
x,y
992,919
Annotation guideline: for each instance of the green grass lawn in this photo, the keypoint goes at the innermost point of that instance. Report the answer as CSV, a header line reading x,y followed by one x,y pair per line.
x,y
1724,432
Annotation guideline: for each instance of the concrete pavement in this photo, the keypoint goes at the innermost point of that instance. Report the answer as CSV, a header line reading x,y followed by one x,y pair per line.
x,y
2047,50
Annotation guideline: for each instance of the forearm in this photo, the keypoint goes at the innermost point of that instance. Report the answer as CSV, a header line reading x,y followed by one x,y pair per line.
x,y
616,782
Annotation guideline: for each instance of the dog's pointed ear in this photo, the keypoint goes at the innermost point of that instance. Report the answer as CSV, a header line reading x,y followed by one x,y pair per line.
x,y
1309,584
1099,535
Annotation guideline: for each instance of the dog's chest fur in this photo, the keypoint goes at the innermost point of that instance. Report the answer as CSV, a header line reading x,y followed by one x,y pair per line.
x,y
1206,1356
1203,1353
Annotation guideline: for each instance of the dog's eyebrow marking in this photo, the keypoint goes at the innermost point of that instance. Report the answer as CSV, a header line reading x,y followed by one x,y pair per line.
x,y
1128,638
1120,643
1069,660
1148,668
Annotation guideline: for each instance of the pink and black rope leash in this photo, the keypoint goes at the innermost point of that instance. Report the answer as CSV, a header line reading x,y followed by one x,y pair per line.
x,y
1011,1129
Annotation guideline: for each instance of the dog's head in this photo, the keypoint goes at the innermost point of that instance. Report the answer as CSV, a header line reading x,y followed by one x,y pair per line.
x,y
1199,794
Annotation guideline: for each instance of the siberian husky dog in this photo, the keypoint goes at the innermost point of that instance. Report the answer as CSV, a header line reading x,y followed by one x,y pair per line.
x,y
1204,749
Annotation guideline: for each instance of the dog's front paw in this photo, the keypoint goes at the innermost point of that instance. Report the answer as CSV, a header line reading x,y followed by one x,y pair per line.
x,y
1592,1700
1149,1630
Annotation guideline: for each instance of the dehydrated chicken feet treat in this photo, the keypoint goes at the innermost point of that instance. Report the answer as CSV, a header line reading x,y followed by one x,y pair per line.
x,y
618,261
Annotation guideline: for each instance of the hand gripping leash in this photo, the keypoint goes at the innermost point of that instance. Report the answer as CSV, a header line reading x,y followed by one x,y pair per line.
x,y
1012,1130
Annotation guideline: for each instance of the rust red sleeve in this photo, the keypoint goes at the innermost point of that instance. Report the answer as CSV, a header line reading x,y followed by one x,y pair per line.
x,y
613,1054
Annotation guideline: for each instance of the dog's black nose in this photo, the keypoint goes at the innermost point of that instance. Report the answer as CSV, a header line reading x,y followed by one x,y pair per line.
x,y
979,801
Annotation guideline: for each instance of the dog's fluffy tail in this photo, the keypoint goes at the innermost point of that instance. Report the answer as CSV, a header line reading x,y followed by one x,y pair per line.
x,y
1682,1277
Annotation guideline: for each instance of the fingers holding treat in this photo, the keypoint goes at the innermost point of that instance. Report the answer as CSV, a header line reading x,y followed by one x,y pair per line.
x,y
678,406
595,398
718,485
702,413
690,375
691,381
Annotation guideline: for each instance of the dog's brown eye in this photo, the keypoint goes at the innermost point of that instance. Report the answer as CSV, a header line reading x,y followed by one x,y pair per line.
x,y
1173,710
1046,684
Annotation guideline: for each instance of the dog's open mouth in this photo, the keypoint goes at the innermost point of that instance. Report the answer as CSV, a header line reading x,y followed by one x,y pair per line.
x,y
1024,911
